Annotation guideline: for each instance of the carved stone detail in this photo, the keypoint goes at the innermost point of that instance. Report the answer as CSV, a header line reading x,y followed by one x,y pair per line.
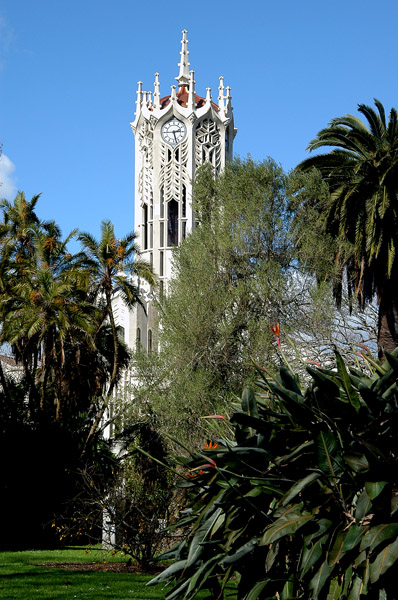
x,y
145,177
208,144
173,172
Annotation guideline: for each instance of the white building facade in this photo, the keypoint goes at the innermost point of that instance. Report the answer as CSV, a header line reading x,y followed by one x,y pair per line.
x,y
174,135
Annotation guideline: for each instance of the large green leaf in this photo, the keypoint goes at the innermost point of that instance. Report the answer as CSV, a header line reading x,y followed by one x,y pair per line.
x,y
271,556
200,577
240,553
358,462
335,589
337,550
356,589
298,487
378,534
322,526
329,458
312,554
374,488
354,536
171,571
196,547
285,525
326,383
364,506
288,589
299,449
249,403
320,578
350,394
384,560
258,587
288,381
293,403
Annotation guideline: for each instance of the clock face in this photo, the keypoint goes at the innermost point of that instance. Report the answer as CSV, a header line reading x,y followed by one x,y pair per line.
x,y
174,132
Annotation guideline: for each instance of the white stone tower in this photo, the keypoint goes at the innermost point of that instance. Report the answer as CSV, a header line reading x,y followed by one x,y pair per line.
x,y
174,135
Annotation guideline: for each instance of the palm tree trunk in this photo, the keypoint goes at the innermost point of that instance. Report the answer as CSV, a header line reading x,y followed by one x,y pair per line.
x,y
112,382
387,327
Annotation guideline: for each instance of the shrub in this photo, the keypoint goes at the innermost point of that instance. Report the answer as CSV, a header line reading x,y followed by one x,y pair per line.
x,y
302,503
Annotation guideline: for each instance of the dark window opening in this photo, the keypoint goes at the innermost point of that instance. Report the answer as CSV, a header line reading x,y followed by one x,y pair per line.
x,y
149,340
172,225
161,204
161,235
184,230
145,225
161,273
184,202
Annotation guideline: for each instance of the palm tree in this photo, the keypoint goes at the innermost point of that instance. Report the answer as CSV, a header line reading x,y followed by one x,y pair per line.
x,y
46,307
111,261
362,211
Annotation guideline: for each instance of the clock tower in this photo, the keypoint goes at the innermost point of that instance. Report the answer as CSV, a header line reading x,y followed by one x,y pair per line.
x,y
174,135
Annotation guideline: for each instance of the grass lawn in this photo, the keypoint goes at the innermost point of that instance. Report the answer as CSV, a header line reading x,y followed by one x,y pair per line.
x,y
22,579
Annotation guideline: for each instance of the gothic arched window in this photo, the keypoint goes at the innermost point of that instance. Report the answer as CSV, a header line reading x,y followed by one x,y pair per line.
x,y
145,226
149,340
172,225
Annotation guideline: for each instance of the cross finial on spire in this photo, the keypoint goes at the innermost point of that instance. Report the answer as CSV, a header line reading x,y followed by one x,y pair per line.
x,y
183,77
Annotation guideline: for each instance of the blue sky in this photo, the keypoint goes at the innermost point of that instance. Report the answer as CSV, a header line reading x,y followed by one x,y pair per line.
x,y
69,72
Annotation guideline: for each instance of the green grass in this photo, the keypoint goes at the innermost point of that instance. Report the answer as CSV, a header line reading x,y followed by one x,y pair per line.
x,y
22,579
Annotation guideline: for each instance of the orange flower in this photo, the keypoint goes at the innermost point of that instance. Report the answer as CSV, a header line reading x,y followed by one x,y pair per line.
x,y
196,473
215,417
314,362
275,329
211,445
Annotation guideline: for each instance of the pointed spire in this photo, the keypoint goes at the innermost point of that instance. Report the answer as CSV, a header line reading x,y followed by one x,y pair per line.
x,y
221,95
228,106
156,92
138,102
183,77
208,94
191,93
173,97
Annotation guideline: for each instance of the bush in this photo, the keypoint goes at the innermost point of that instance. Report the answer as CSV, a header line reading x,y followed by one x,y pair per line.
x,y
302,503
129,499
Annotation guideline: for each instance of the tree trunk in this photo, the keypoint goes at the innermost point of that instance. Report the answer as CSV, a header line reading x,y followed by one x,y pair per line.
x,y
387,327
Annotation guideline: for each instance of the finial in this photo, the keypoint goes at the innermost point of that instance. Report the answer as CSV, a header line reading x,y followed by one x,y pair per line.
x,y
191,92
173,93
138,102
156,92
228,106
183,77
221,94
208,94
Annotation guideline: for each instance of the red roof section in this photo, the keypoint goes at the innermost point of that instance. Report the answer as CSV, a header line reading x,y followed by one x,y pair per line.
x,y
182,99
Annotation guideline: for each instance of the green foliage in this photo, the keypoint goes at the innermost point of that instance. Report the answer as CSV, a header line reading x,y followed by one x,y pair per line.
x,y
130,497
360,213
302,502
64,358
233,276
